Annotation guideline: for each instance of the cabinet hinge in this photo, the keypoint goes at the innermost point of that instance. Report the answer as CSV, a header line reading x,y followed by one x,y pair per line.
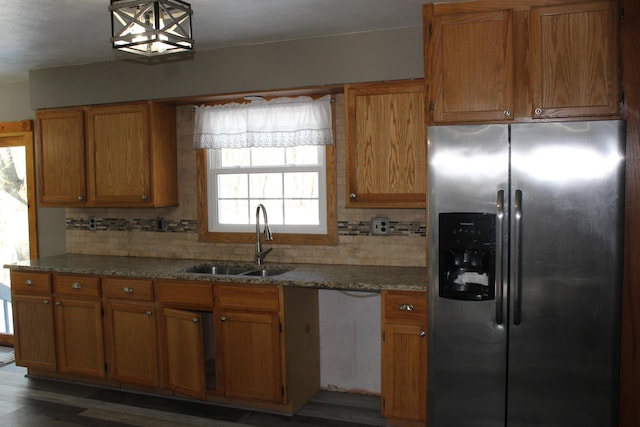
x,y
105,368
430,29
622,13
280,327
431,107
621,95
281,390
384,337
102,311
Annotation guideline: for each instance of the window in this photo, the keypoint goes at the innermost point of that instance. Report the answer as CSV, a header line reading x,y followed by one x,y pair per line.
x,y
294,181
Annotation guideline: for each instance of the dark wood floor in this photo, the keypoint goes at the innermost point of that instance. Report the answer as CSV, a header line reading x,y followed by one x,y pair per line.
x,y
35,402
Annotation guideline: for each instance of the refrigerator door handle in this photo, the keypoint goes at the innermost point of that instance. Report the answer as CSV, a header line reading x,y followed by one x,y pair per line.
x,y
499,231
517,291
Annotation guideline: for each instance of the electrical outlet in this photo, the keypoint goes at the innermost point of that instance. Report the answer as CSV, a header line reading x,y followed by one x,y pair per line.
x,y
380,226
92,223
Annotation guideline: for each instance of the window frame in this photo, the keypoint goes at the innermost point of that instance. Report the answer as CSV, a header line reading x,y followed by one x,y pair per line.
x,y
328,238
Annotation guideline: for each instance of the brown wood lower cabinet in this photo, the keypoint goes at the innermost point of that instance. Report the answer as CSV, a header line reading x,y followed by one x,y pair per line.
x,y
78,328
251,345
33,320
34,337
131,331
79,337
404,358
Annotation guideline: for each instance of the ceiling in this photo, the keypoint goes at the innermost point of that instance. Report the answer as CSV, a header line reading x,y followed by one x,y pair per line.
x,y
46,33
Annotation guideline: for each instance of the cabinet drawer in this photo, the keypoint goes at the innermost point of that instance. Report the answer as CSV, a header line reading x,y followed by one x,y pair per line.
x,y
130,289
23,282
252,297
405,305
76,285
193,294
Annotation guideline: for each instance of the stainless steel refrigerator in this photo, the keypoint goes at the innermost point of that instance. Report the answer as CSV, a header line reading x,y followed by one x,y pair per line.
x,y
525,238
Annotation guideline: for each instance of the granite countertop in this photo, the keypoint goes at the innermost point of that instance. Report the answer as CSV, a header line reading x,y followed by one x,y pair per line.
x,y
322,276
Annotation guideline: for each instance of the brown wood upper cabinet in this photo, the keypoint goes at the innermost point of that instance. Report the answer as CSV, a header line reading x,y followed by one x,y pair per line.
x,y
386,146
536,59
120,155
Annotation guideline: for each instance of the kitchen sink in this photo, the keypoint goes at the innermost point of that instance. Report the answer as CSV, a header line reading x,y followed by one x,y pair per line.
x,y
265,272
217,269
230,270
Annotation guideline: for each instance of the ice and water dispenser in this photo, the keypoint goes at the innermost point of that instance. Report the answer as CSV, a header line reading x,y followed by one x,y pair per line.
x,y
467,251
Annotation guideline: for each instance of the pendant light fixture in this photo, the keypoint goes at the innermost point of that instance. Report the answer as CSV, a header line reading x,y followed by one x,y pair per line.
x,y
151,28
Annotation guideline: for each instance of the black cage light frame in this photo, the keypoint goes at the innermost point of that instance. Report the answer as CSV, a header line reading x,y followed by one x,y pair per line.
x,y
151,28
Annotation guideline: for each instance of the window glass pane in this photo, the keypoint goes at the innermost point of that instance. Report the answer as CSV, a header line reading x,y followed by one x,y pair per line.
x,y
233,186
301,185
271,156
274,212
265,185
230,157
301,212
233,211
302,155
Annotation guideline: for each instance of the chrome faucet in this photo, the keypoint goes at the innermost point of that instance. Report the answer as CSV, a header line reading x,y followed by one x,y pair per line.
x,y
260,254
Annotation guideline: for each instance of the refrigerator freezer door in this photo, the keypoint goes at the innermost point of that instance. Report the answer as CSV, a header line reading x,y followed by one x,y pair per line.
x,y
468,169
566,269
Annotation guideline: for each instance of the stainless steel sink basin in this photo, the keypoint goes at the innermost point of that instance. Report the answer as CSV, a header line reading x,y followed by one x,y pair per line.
x,y
232,270
218,269
265,272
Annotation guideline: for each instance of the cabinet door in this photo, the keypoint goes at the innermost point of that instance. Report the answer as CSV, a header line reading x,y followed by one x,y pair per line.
x,y
469,57
251,352
34,337
79,337
574,60
404,380
118,144
133,345
386,146
61,157
185,352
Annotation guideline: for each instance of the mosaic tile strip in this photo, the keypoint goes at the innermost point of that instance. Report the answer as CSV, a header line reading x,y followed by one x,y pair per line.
x,y
345,228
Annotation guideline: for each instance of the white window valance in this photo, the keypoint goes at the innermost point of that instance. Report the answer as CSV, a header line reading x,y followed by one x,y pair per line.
x,y
280,122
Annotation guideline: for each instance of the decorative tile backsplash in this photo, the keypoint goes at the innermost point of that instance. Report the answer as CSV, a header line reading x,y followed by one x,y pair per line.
x,y
345,228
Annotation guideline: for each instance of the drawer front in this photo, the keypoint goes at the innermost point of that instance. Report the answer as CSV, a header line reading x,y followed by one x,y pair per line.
x,y
405,305
128,289
86,286
193,294
23,282
247,297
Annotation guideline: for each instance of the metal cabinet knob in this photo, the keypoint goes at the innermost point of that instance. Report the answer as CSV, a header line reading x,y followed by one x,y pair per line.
x,y
507,113
80,198
145,197
58,304
422,332
76,285
195,320
537,111
46,301
127,290
406,307
148,313
28,282
353,195
223,318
